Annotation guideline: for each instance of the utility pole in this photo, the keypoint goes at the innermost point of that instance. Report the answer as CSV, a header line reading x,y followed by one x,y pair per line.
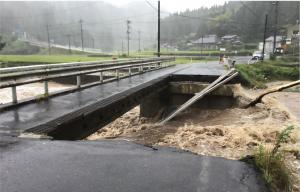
x,y
69,40
265,33
128,35
158,29
48,38
139,32
201,44
122,47
93,43
276,3
81,33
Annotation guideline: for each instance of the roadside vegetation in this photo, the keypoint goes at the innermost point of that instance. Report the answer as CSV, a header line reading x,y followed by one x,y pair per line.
x,y
271,162
19,60
256,75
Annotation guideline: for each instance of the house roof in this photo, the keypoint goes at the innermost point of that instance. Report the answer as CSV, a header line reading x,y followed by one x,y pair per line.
x,y
229,36
207,39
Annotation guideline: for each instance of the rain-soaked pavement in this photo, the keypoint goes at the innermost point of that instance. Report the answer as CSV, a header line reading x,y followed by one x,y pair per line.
x,y
118,166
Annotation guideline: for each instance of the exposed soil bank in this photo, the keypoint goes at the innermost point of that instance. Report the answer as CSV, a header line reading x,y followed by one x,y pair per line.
x,y
231,133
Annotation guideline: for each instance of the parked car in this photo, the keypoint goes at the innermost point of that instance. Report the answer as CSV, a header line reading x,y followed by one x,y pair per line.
x,y
257,55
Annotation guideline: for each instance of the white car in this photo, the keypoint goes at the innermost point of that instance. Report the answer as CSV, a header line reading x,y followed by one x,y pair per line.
x,y
257,54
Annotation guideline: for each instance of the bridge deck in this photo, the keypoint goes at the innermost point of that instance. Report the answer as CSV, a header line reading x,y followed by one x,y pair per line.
x,y
72,105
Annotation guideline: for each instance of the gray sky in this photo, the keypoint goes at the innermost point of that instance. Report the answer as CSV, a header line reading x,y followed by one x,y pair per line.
x,y
173,5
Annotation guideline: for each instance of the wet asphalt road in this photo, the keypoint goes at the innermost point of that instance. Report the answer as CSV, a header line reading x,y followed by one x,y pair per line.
x,y
118,166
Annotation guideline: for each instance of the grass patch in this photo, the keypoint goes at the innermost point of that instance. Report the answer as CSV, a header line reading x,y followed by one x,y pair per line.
x,y
19,60
256,75
271,162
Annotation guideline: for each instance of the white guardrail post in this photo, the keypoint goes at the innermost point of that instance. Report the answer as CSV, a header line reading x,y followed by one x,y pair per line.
x,y
14,94
101,76
129,71
46,88
78,81
117,74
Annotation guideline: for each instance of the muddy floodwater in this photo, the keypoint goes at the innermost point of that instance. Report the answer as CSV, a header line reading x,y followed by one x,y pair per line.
x,y
29,90
231,133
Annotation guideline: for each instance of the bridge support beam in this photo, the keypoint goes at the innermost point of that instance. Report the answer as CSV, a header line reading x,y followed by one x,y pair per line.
x,y
153,105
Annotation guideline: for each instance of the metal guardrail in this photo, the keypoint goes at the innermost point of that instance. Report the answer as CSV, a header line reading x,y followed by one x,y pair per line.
x,y
16,76
74,64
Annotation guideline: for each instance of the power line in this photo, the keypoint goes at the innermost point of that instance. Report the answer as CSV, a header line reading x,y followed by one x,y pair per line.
x,y
116,20
253,12
151,5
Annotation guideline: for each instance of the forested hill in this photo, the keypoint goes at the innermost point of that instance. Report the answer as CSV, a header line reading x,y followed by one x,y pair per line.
x,y
105,25
242,18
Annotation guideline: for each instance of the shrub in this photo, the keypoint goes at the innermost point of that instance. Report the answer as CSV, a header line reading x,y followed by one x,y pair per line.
x,y
256,75
271,163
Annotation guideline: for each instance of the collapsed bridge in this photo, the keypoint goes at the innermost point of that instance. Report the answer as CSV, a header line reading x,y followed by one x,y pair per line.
x,y
78,112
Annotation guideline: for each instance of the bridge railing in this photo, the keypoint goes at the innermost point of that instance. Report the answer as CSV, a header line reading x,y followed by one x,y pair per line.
x,y
16,76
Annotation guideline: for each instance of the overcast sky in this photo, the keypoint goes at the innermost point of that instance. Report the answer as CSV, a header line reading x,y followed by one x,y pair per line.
x,y
173,5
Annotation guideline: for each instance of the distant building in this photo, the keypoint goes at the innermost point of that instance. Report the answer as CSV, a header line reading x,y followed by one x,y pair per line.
x,y
207,42
293,32
269,43
234,39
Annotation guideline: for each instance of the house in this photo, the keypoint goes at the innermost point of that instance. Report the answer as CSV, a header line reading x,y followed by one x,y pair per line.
x,y
234,39
293,31
270,42
293,35
207,42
